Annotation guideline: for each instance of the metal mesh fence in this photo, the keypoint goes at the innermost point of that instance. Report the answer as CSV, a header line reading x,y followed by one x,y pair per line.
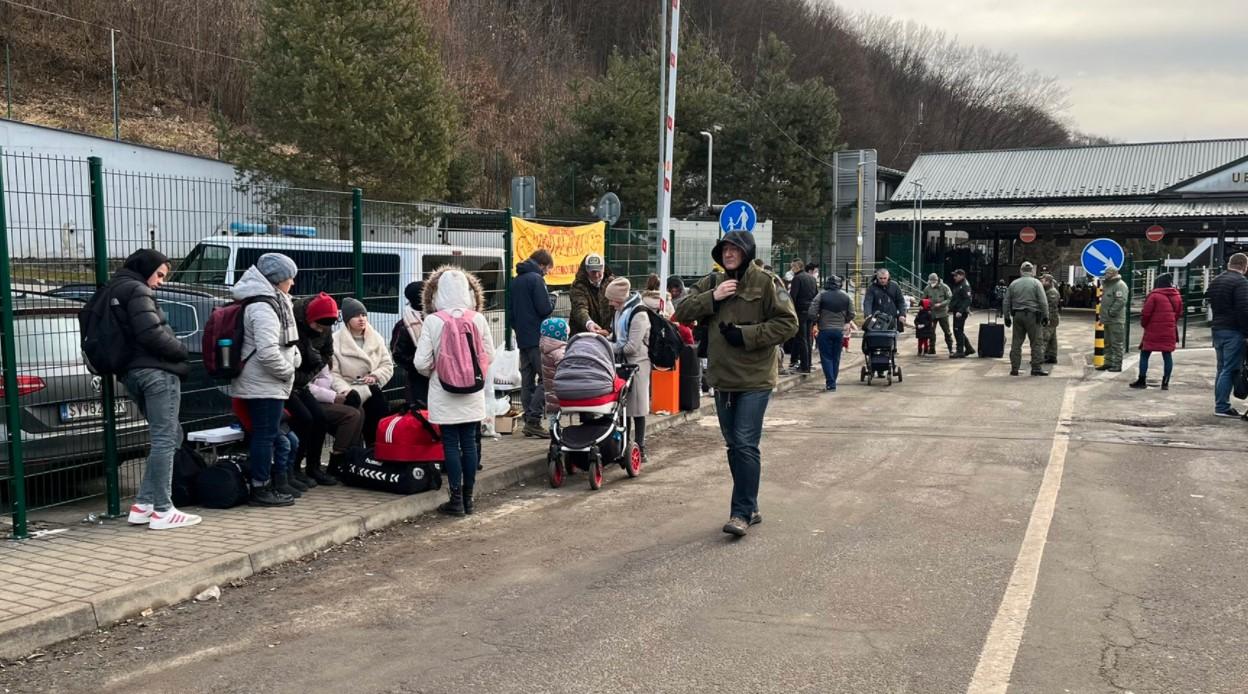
x,y
71,224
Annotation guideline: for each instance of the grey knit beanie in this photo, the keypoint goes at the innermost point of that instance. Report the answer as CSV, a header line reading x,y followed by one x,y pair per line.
x,y
276,268
352,308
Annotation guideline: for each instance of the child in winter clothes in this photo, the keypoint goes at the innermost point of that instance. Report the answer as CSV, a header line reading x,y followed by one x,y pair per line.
x,y
925,327
346,423
553,344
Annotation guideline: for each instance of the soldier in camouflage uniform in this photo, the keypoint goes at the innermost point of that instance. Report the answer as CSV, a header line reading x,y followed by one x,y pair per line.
x,y
1114,317
1055,312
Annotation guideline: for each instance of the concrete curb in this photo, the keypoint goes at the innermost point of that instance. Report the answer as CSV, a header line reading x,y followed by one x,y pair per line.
x,y
24,635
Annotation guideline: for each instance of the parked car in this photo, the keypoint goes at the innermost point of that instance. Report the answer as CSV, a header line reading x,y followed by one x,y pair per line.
x,y
187,308
61,406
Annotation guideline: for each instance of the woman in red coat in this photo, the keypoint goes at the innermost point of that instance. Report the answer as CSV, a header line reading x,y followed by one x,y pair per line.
x,y
1160,319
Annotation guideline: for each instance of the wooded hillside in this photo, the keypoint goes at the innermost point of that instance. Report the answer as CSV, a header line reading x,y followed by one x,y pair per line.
x,y
519,72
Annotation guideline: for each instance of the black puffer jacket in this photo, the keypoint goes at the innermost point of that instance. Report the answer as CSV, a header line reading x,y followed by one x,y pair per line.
x,y
316,350
1228,297
155,346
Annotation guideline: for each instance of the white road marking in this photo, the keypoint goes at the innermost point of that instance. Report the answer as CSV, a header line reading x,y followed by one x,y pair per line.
x,y
996,660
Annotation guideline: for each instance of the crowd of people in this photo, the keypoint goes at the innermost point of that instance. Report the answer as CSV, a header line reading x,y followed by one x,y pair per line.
x,y
303,379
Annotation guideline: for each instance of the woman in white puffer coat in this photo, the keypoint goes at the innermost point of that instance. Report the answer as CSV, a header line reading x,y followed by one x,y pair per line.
x,y
452,293
362,366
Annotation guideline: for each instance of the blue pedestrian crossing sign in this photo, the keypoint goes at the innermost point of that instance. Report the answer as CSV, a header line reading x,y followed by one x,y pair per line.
x,y
1100,254
737,215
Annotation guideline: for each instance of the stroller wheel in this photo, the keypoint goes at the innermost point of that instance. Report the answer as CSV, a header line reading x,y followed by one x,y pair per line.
x,y
899,374
555,469
890,378
862,376
595,471
633,464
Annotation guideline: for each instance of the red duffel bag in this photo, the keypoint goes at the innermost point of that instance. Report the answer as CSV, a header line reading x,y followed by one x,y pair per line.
x,y
408,437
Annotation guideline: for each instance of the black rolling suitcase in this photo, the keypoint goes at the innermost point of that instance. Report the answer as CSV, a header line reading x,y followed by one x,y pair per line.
x,y
991,338
690,379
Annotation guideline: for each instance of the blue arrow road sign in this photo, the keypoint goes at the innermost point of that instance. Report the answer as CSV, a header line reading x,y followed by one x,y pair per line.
x,y
737,215
1100,254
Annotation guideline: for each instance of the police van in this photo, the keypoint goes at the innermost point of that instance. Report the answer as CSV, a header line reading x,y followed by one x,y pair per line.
x,y
326,265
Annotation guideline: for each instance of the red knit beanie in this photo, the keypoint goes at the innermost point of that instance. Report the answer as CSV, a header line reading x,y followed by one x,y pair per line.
x,y
322,306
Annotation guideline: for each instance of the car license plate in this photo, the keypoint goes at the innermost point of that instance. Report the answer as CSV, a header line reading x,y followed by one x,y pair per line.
x,y
88,409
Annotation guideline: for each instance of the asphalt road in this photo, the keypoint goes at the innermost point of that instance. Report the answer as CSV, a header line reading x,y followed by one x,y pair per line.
x,y
893,521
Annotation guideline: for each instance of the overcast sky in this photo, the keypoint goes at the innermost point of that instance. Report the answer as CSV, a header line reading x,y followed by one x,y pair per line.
x,y
1136,70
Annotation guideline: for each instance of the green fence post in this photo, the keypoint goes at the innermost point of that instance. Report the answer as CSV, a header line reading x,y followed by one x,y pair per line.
x,y
357,241
12,408
107,391
507,269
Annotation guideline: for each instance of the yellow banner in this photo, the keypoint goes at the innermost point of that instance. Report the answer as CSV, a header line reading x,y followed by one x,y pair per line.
x,y
568,245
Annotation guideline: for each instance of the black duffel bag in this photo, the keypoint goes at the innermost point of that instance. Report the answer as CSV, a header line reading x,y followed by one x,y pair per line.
x,y
223,484
362,469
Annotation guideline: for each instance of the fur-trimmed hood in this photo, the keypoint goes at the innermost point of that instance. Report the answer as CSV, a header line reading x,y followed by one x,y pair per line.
x,y
430,293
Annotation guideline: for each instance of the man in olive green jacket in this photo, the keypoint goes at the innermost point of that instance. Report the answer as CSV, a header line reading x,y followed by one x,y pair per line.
x,y
940,294
747,317
1026,309
1114,316
1055,314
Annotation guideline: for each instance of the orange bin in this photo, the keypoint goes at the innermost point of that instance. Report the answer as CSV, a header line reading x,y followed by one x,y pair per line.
x,y
665,390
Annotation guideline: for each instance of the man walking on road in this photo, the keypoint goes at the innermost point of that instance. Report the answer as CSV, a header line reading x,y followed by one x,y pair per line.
x,y
940,295
884,296
1026,309
1114,317
530,305
960,305
802,289
1228,297
1055,311
747,318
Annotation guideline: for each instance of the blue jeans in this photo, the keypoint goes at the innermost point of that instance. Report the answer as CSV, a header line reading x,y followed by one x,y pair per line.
x,y
266,438
830,355
741,424
285,448
1229,346
1167,361
459,444
159,396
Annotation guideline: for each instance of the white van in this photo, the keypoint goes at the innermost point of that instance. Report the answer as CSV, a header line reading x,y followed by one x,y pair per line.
x,y
325,265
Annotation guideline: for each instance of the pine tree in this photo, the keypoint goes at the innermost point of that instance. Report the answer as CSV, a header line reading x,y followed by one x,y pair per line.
x,y
347,93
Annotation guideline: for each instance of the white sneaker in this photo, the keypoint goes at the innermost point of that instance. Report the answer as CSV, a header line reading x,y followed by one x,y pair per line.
x,y
173,518
140,514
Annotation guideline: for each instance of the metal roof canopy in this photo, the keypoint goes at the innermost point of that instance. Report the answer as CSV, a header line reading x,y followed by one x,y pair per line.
x,y
1065,172
1177,209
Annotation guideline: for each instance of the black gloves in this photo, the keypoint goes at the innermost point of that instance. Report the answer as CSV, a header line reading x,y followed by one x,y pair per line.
x,y
1008,322
732,334
1044,321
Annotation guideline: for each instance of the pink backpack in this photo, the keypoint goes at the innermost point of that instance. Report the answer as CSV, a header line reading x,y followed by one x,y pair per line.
x,y
460,362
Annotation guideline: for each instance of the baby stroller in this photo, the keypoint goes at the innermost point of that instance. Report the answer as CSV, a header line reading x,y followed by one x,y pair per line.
x,y
879,345
592,386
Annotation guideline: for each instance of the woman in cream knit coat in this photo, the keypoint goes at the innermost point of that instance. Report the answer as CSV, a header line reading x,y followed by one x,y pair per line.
x,y
362,366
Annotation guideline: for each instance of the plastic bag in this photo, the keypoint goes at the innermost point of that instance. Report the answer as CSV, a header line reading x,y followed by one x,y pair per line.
x,y
505,371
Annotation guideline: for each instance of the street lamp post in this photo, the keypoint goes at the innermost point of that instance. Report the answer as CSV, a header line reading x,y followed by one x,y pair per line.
x,y
710,153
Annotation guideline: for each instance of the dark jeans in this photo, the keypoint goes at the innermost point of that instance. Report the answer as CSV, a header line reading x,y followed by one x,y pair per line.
x,y
1229,346
530,369
463,453
266,421
943,322
959,333
830,355
741,424
1167,360
159,395
309,423
800,354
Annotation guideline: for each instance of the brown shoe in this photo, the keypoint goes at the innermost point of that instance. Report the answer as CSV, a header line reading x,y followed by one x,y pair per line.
x,y
737,526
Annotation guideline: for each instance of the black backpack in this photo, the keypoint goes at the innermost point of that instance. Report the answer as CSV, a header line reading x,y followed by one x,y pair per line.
x,y
1239,386
223,485
104,333
665,342
187,466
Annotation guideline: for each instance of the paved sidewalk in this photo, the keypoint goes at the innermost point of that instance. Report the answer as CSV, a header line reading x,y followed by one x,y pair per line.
x,y
64,584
